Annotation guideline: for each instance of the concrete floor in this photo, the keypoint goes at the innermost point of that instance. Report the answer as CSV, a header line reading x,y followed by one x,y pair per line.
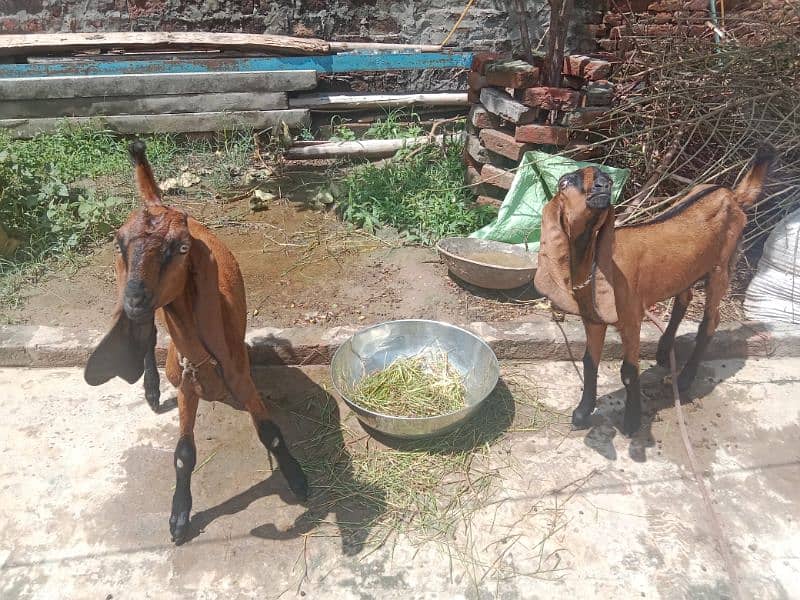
x,y
86,477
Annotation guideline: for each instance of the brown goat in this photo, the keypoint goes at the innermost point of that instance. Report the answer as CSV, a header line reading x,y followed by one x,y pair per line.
x,y
170,265
610,276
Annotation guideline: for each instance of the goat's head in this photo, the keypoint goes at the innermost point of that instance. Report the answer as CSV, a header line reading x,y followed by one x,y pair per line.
x,y
575,255
152,260
152,266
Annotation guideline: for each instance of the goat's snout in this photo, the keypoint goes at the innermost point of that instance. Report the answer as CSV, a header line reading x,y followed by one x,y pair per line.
x,y
137,300
600,194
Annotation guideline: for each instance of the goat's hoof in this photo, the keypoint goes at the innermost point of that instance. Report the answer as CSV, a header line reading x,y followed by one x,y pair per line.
x,y
179,526
685,380
153,400
297,480
581,419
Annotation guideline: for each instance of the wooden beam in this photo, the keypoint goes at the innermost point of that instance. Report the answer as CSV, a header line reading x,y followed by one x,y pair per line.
x,y
382,47
337,101
142,105
44,43
156,84
361,148
334,63
185,123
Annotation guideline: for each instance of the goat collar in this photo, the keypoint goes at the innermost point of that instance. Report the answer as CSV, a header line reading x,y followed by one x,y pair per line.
x,y
191,370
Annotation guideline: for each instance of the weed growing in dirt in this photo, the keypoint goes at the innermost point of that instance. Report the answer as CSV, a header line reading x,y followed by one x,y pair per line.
x,y
63,192
422,194
395,124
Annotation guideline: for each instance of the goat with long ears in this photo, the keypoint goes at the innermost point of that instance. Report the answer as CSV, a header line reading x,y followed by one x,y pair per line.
x,y
610,276
170,265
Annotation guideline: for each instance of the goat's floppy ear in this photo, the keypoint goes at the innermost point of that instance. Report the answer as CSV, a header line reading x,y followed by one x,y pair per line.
x,y
121,352
603,274
552,277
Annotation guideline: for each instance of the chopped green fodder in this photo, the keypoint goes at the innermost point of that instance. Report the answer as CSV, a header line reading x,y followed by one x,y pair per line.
x,y
423,385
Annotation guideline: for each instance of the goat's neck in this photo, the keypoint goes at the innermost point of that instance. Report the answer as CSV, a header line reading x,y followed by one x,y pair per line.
x,y
179,317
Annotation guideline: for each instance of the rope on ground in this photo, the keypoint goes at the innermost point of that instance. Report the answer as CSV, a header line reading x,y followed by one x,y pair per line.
x,y
460,18
724,547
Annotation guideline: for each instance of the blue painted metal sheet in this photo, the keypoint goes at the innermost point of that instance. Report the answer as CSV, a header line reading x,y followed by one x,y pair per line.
x,y
334,63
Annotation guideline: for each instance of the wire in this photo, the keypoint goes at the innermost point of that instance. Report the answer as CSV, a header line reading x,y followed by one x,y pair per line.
x,y
461,18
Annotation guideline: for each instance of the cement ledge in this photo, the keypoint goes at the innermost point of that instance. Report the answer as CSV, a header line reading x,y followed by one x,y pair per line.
x,y
44,346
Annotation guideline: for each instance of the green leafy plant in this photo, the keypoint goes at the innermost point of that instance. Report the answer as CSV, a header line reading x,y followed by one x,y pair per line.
x,y
421,194
396,124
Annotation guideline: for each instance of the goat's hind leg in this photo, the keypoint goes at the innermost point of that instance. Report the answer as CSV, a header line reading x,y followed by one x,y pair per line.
x,y
667,340
716,286
272,438
595,337
184,461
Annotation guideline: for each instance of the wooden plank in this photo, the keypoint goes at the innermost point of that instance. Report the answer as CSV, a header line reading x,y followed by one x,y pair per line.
x,y
334,63
382,47
42,88
361,148
506,107
43,43
185,123
142,105
333,101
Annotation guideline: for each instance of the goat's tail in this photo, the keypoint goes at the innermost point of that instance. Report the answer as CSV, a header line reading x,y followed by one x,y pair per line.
x,y
148,188
751,185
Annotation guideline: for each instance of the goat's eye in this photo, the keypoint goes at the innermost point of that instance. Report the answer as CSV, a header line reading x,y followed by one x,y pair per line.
x,y
563,184
183,248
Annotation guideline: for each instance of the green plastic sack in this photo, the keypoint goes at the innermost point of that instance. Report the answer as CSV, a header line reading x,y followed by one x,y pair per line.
x,y
520,218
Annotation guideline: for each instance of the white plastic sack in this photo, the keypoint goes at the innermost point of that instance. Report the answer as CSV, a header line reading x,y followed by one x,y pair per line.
x,y
774,293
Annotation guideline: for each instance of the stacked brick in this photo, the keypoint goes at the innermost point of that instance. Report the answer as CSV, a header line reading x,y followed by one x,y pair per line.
x,y
513,112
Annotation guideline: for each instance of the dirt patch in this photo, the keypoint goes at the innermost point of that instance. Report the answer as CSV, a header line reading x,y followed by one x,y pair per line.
x,y
300,265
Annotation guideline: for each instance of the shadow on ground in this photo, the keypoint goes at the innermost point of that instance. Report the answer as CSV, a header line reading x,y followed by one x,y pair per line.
x,y
656,396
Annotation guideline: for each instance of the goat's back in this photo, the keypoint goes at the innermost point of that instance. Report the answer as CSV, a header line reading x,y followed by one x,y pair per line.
x,y
659,260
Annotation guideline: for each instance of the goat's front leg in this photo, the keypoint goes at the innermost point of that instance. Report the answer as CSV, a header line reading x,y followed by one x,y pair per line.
x,y
595,337
270,435
667,340
152,393
716,286
185,460
630,332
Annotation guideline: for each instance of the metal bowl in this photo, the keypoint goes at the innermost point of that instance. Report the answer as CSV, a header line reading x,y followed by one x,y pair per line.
x,y
479,262
374,348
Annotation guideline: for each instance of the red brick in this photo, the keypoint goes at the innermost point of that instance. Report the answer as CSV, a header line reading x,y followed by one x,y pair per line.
x,y
503,144
488,201
482,118
598,93
584,66
481,59
512,74
618,32
497,177
610,45
549,98
586,118
663,17
472,177
473,96
476,81
505,107
574,83
596,30
613,19
542,134
665,5
696,5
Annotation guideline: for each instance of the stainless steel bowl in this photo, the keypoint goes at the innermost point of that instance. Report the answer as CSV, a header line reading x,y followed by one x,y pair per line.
x,y
476,262
375,347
